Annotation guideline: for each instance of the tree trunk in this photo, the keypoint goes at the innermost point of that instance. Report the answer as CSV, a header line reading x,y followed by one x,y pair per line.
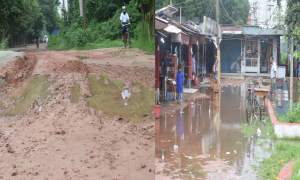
x,y
143,19
149,20
3,34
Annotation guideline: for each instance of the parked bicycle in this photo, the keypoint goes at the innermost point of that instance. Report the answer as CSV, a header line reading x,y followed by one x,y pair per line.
x,y
252,105
126,36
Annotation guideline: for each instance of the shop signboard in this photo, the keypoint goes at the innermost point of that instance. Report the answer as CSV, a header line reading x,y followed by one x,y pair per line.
x,y
176,37
166,12
185,39
209,26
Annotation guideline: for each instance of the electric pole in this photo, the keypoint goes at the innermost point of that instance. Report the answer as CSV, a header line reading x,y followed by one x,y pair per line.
x,y
83,2
218,44
291,74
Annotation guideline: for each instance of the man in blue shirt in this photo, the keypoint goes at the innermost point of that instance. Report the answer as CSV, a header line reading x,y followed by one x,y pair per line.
x,y
164,69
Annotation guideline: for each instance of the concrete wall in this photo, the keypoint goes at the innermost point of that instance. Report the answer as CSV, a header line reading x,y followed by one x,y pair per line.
x,y
283,130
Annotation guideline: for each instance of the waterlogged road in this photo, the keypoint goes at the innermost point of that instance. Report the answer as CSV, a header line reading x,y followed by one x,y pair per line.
x,y
204,140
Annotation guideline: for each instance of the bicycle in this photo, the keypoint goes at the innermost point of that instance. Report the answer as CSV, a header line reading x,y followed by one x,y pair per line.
x,y
127,36
252,105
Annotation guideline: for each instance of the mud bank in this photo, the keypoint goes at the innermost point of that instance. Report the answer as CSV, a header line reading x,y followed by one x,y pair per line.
x,y
15,71
60,136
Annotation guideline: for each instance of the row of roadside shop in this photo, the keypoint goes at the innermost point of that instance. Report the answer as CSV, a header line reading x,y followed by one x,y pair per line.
x,y
245,50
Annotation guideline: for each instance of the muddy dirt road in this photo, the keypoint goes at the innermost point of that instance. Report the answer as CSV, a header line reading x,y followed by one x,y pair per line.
x,y
58,120
203,140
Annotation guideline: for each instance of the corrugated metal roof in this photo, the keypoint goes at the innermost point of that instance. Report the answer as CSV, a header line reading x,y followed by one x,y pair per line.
x,y
256,30
232,28
185,28
172,29
160,23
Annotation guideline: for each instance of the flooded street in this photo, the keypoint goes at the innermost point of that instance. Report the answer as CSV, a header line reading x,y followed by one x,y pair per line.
x,y
204,140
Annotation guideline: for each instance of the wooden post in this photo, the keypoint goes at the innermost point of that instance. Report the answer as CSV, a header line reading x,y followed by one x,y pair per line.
x,y
218,44
83,6
291,74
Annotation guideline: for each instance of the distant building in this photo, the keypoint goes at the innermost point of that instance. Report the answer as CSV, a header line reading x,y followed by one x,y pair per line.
x,y
249,19
63,5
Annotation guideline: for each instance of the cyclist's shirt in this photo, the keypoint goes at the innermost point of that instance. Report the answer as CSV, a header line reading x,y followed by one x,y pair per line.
x,y
124,17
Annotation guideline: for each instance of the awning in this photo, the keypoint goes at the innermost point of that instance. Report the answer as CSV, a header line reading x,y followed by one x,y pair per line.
x,y
172,29
232,32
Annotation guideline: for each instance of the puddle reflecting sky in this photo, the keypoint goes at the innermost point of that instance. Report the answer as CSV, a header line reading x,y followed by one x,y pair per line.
x,y
204,132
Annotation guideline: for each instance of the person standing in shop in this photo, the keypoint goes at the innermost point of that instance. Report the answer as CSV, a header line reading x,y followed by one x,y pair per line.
x,y
273,75
194,66
164,70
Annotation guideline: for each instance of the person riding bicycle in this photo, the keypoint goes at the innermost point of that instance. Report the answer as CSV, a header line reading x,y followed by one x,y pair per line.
x,y
37,40
124,18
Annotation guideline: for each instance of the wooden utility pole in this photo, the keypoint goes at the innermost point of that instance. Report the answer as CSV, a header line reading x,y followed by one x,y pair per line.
x,y
180,15
218,44
291,74
171,5
83,2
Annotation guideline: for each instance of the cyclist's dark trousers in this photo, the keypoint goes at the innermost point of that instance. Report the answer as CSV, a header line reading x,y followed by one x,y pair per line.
x,y
37,42
124,28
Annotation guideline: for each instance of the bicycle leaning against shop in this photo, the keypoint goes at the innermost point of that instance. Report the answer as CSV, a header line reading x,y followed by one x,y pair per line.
x,y
253,108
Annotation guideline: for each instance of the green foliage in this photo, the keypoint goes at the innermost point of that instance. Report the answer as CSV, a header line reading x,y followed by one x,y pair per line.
x,y
283,59
58,42
4,44
27,17
291,116
102,10
296,55
292,20
49,10
238,10
101,35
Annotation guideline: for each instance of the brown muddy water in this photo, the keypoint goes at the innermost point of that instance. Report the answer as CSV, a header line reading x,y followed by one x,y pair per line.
x,y
204,140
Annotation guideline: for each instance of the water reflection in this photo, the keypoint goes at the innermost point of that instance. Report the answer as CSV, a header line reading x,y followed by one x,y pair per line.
x,y
207,134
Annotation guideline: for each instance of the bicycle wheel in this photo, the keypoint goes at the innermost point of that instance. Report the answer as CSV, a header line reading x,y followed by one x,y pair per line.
x,y
257,110
248,110
129,44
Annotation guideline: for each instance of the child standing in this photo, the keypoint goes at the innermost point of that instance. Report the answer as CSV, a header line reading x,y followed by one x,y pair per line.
x,y
179,84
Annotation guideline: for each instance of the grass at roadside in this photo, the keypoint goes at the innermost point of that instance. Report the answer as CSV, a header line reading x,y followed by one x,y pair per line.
x,y
298,90
296,171
284,152
249,129
290,117
146,46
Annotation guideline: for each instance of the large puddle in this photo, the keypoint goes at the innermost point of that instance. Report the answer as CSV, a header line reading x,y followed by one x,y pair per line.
x,y
107,97
204,140
37,87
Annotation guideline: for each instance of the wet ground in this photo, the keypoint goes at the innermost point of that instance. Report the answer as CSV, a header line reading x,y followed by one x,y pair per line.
x,y
204,140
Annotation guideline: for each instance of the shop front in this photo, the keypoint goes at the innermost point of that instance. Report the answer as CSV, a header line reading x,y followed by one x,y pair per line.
x,y
231,55
257,52
258,45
